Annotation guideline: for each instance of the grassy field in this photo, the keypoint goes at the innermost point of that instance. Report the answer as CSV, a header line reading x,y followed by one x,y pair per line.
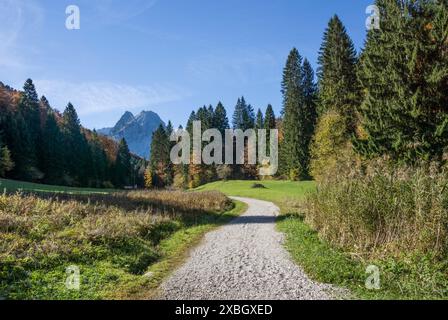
x,y
123,244
322,261
281,192
13,185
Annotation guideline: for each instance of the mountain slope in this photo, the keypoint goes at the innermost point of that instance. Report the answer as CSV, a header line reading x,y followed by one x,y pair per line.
x,y
137,130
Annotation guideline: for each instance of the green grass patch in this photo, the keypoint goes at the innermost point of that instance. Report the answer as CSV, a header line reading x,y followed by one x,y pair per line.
x,y
13,186
280,192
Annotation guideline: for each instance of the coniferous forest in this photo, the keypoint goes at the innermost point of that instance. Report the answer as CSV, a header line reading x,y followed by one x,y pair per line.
x,y
40,144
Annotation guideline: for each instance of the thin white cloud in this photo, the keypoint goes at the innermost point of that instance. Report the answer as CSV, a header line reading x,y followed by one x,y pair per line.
x,y
17,17
97,97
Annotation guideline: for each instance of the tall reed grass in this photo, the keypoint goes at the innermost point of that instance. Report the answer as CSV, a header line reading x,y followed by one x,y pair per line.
x,y
383,210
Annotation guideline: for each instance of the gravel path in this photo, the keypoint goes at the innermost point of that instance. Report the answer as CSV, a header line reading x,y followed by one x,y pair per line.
x,y
244,259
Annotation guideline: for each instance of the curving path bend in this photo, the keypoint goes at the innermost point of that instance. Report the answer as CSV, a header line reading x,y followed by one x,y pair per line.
x,y
244,260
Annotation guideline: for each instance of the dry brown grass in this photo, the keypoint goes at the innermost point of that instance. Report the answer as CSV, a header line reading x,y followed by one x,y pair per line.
x,y
43,232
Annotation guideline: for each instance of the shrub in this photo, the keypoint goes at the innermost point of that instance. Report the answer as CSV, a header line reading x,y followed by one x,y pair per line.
x,y
258,186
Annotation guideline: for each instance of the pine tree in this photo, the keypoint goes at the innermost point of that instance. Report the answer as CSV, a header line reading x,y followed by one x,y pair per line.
x,y
243,119
211,115
99,163
77,153
18,139
169,168
269,123
123,169
169,128
206,115
309,112
243,116
190,121
259,122
52,151
44,110
269,118
294,148
28,123
160,158
338,86
237,118
29,107
404,73
139,165
220,120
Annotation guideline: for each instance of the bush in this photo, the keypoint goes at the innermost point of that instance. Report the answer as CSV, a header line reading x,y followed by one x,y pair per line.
x,y
258,186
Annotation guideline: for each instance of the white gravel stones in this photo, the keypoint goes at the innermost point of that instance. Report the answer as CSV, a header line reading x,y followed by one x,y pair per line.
x,y
244,259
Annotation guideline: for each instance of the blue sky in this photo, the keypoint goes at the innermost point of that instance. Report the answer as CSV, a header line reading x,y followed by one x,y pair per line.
x,y
168,56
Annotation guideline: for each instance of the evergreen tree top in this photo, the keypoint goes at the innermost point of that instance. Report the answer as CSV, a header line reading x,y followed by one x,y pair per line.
x,y
259,123
169,128
269,118
337,81
243,116
29,92
70,117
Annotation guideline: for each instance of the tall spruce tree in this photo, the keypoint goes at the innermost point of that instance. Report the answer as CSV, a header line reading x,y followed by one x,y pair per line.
x,y
99,163
237,118
29,107
309,110
18,139
294,149
269,118
205,115
191,119
220,120
243,116
244,119
338,86
259,122
44,110
160,158
404,74
169,128
77,152
269,124
52,151
123,169
170,167
29,125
